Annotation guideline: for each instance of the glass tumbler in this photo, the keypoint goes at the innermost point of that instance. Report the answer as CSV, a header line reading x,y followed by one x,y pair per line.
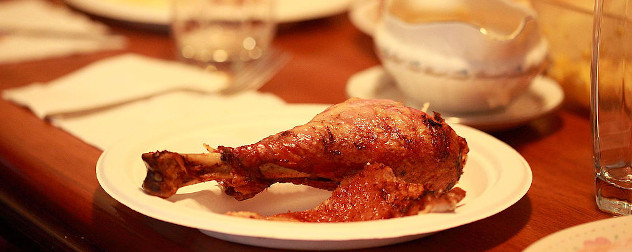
x,y
222,31
611,105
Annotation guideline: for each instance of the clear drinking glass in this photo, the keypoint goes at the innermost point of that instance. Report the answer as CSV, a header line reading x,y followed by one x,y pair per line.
x,y
222,31
611,102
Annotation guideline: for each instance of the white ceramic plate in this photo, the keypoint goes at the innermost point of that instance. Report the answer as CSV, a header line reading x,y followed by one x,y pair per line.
x,y
156,12
495,177
613,234
543,96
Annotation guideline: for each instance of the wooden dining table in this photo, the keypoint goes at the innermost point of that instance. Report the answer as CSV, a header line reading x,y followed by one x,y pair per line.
x,y
50,198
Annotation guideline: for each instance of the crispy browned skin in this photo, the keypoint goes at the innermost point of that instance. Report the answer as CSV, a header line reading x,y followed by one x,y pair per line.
x,y
373,194
335,144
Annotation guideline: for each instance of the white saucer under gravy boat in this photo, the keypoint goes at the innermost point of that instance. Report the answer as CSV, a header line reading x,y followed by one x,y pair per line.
x,y
542,97
460,56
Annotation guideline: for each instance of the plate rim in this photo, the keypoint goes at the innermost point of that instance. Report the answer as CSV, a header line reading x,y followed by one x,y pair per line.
x,y
319,231
121,12
574,230
160,17
541,84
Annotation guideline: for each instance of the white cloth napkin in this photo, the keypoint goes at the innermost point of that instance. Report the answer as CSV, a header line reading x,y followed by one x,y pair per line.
x,y
35,29
115,97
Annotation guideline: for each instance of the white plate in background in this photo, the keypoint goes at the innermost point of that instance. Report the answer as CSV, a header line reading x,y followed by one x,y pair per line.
x,y
613,234
156,12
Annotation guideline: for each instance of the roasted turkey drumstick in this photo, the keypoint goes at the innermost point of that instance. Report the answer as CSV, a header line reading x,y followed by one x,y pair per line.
x,y
334,145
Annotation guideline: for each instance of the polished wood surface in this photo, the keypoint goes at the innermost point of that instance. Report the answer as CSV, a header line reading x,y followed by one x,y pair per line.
x,y
50,195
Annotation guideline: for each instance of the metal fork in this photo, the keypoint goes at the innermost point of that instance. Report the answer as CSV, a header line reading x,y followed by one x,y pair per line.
x,y
257,73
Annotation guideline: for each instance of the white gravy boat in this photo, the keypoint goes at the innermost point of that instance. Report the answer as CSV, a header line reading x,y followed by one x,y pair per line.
x,y
460,56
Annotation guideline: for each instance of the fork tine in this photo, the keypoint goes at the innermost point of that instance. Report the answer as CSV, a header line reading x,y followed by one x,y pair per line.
x,y
255,76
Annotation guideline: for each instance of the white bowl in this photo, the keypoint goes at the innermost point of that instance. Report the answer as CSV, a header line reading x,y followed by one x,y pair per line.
x,y
460,56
